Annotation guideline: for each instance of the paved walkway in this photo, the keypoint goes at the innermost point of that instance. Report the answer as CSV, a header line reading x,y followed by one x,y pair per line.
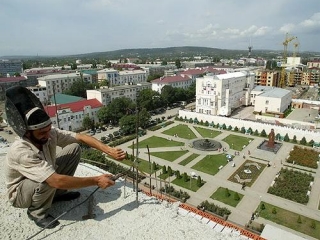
x,y
252,195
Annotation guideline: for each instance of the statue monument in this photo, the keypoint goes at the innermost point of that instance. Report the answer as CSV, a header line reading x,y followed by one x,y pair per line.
x,y
271,139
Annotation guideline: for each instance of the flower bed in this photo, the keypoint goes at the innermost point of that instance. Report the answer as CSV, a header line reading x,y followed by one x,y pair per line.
x,y
292,185
304,157
248,172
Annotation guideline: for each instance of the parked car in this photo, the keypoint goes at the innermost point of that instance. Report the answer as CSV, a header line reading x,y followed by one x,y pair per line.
x,y
98,130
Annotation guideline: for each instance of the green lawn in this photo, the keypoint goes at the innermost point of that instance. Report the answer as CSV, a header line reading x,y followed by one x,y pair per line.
x,y
189,159
236,142
221,196
157,142
170,155
191,184
207,132
183,131
290,220
211,163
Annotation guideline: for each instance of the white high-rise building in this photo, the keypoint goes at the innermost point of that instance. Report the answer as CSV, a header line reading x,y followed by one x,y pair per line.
x,y
221,94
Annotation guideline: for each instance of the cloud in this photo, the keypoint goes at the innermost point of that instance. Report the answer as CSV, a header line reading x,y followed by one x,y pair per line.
x,y
313,22
287,28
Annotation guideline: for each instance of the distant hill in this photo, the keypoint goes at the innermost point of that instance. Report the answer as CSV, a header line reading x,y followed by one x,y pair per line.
x,y
166,53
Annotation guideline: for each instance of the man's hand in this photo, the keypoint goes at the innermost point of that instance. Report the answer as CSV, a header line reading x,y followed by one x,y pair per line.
x,y
117,153
105,181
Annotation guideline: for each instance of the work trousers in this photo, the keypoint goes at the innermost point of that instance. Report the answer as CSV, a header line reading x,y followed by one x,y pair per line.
x,y
37,197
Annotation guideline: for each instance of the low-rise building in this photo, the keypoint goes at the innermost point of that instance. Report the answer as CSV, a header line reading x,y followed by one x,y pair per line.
x,y
106,95
270,99
69,116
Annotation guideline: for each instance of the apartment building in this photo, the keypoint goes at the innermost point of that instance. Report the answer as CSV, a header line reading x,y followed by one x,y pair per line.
x,y
313,64
70,116
61,82
10,67
7,82
221,94
41,93
106,95
311,77
267,78
117,78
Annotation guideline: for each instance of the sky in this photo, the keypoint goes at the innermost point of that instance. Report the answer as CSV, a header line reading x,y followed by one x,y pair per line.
x,y
63,27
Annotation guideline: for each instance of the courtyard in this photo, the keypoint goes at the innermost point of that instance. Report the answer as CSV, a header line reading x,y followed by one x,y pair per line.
x,y
172,146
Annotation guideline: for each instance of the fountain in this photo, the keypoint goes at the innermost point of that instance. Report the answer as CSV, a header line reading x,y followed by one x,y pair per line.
x,y
206,144
270,145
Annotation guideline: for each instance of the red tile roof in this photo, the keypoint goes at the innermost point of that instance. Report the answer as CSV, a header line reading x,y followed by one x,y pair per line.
x,y
171,79
193,71
74,106
12,79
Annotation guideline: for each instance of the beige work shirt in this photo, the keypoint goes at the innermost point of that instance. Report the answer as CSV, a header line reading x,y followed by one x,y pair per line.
x,y
24,160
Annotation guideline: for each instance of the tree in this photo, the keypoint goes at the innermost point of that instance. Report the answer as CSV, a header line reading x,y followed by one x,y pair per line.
x,y
127,124
294,140
185,177
199,181
87,122
168,94
169,171
263,133
144,118
303,141
286,138
299,219
227,193
120,107
154,166
236,196
78,88
102,115
178,174
164,169
178,63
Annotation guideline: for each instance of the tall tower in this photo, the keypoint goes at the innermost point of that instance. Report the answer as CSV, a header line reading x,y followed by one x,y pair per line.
x,y
250,49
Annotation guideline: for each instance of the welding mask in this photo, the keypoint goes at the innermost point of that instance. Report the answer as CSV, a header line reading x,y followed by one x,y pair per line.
x,y
20,104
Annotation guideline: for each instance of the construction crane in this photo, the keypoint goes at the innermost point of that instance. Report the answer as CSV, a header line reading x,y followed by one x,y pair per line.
x,y
285,43
293,73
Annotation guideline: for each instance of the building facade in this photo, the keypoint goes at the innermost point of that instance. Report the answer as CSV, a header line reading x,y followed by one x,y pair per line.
x,y
267,78
10,67
270,99
221,94
41,93
62,82
70,116
117,78
8,82
106,95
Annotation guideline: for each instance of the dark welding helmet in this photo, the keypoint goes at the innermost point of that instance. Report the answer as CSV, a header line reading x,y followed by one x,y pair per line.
x,y
20,104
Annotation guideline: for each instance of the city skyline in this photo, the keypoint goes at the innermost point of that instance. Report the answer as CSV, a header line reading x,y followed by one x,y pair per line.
x,y
58,27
